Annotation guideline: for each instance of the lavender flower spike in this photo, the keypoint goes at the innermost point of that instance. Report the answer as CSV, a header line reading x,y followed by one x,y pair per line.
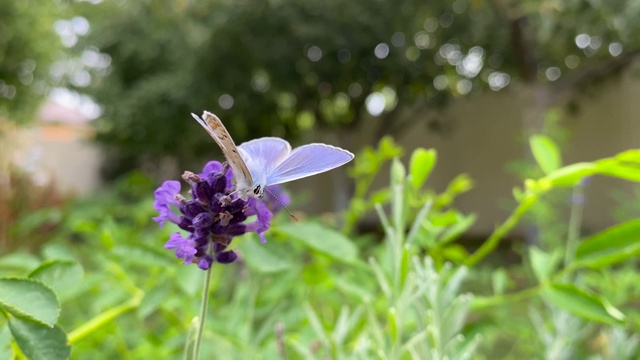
x,y
213,216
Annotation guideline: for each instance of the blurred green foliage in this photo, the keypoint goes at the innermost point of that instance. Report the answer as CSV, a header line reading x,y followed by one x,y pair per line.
x,y
28,47
408,292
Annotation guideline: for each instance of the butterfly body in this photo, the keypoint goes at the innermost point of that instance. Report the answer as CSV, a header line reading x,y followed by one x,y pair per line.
x,y
266,161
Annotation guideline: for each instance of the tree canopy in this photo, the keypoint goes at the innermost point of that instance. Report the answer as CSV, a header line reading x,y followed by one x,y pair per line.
x,y
28,47
288,67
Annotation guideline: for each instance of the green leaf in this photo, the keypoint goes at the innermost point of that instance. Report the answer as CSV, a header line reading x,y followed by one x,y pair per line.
x,y
586,305
499,281
5,344
29,299
422,162
546,153
454,231
542,263
37,219
261,257
18,261
614,168
39,341
191,339
629,156
611,246
61,275
58,251
321,238
398,172
455,252
154,298
388,149
448,218
460,184
570,175
381,196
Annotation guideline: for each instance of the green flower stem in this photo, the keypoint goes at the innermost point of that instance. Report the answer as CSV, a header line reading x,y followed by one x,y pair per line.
x,y
575,222
203,312
498,234
99,321
499,300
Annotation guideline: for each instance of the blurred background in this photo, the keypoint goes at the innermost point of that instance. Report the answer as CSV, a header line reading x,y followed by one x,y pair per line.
x,y
95,103
93,91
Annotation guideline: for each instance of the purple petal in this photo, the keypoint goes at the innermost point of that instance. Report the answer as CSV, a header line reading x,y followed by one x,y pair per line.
x,y
210,167
184,247
166,197
202,191
205,262
202,220
193,208
263,217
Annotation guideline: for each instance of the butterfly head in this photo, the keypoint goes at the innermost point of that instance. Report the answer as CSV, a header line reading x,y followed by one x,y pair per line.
x,y
258,191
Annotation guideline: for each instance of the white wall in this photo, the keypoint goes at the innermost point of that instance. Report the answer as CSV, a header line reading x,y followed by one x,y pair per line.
x,y
486,134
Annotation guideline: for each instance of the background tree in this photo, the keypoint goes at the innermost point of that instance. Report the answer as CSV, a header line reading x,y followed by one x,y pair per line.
x,y
28,47
293,66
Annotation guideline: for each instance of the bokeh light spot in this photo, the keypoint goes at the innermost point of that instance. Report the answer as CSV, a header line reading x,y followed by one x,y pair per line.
x,y
375,103
226,101
615,49
314,53
381,51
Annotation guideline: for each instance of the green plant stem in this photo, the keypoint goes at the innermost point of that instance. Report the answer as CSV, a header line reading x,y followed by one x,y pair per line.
x,y
203,312
498,234
575,222
481,303
99,321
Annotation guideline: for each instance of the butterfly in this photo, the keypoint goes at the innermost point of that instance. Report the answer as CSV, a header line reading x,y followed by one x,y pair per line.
x,y
266,161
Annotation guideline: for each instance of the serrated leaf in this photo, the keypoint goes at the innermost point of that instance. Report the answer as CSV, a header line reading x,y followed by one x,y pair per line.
x,y
321,238
39,342
546,153
18,261
570,175
611,246
61,275
29,299
421,164
581,303
261,257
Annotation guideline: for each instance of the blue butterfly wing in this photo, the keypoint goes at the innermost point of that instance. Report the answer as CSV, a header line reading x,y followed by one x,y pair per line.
x,y
263,155
308,160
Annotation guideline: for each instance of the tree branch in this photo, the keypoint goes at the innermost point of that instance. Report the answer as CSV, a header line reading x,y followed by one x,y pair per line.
x,y
589,76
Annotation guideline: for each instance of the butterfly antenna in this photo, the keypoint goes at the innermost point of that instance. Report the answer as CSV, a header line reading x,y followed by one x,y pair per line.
x,y
281,204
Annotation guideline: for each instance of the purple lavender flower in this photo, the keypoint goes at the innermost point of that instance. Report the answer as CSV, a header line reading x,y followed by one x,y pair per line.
x,y
213,217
